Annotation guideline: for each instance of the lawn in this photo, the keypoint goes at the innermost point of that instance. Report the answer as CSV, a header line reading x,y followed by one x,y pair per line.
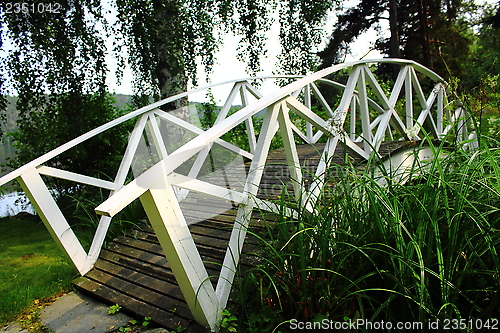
x,y
31,265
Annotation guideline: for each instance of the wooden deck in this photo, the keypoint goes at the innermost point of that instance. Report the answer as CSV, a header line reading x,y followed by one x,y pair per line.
x,y
134,273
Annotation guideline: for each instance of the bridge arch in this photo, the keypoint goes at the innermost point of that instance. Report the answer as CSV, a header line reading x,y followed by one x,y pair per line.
x,y
361,116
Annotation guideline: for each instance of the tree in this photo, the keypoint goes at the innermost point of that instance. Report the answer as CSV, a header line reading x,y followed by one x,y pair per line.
x,y
56,66
350,25
432,32
164,37
481,80
485,53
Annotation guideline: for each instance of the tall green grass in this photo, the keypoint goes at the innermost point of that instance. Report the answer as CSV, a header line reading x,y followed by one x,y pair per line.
x,y
425,250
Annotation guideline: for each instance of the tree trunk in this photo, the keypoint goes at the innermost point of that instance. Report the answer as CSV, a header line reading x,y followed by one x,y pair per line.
x,y
393,24
170,67
394,28
424,33
170,70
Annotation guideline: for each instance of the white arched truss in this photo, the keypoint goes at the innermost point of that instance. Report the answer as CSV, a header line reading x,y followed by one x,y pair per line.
x,y
362,114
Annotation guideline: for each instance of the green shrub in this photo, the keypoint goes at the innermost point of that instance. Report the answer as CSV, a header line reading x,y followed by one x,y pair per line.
x,y
494,127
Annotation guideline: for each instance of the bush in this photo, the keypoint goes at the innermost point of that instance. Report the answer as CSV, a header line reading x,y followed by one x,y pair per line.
x,y
494,127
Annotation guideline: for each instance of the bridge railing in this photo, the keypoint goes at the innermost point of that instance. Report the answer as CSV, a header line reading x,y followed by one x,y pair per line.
x,y
359,111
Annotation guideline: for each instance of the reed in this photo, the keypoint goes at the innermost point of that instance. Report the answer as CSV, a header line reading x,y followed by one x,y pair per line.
x,y
420,251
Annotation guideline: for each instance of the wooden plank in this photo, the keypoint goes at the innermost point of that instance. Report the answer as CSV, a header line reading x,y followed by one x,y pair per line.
x,y
149,268
138,308
143,294
128,246
160,286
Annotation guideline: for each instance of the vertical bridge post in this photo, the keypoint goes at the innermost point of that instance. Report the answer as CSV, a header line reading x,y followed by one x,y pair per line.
x,y
168,222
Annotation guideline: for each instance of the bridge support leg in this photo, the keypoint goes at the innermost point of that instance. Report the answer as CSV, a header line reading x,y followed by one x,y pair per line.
x,y
55,222
238,234
174,236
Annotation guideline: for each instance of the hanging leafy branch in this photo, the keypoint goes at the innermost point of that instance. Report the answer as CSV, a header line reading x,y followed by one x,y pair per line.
x,y
57,68
57,64
164,38
301,24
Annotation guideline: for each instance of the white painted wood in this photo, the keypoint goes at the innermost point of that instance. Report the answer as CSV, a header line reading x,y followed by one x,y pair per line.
x,y
454,118
397,124
204,153
317,136
265,101
75,177
353,111
53,219
321,99
57,151
165,215
256,93
299,132
307,103
158,140
200,186
229,101
308,115
252,141
195,170
155,186
318,182
398,85
402,165
425,115
190,127
126,162
98,240
238,234
128,157
347,96
375,122
377,89
433,126
104,221
292,157
364,111
134,189
273,208
409,99
351,144
440,109
382,128
297,92
418,88
461,125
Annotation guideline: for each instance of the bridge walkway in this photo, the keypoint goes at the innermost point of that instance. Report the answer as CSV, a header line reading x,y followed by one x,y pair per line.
x,y
132,270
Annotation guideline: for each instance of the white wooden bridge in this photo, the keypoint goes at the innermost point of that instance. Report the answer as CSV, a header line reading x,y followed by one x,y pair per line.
x,y
168,156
